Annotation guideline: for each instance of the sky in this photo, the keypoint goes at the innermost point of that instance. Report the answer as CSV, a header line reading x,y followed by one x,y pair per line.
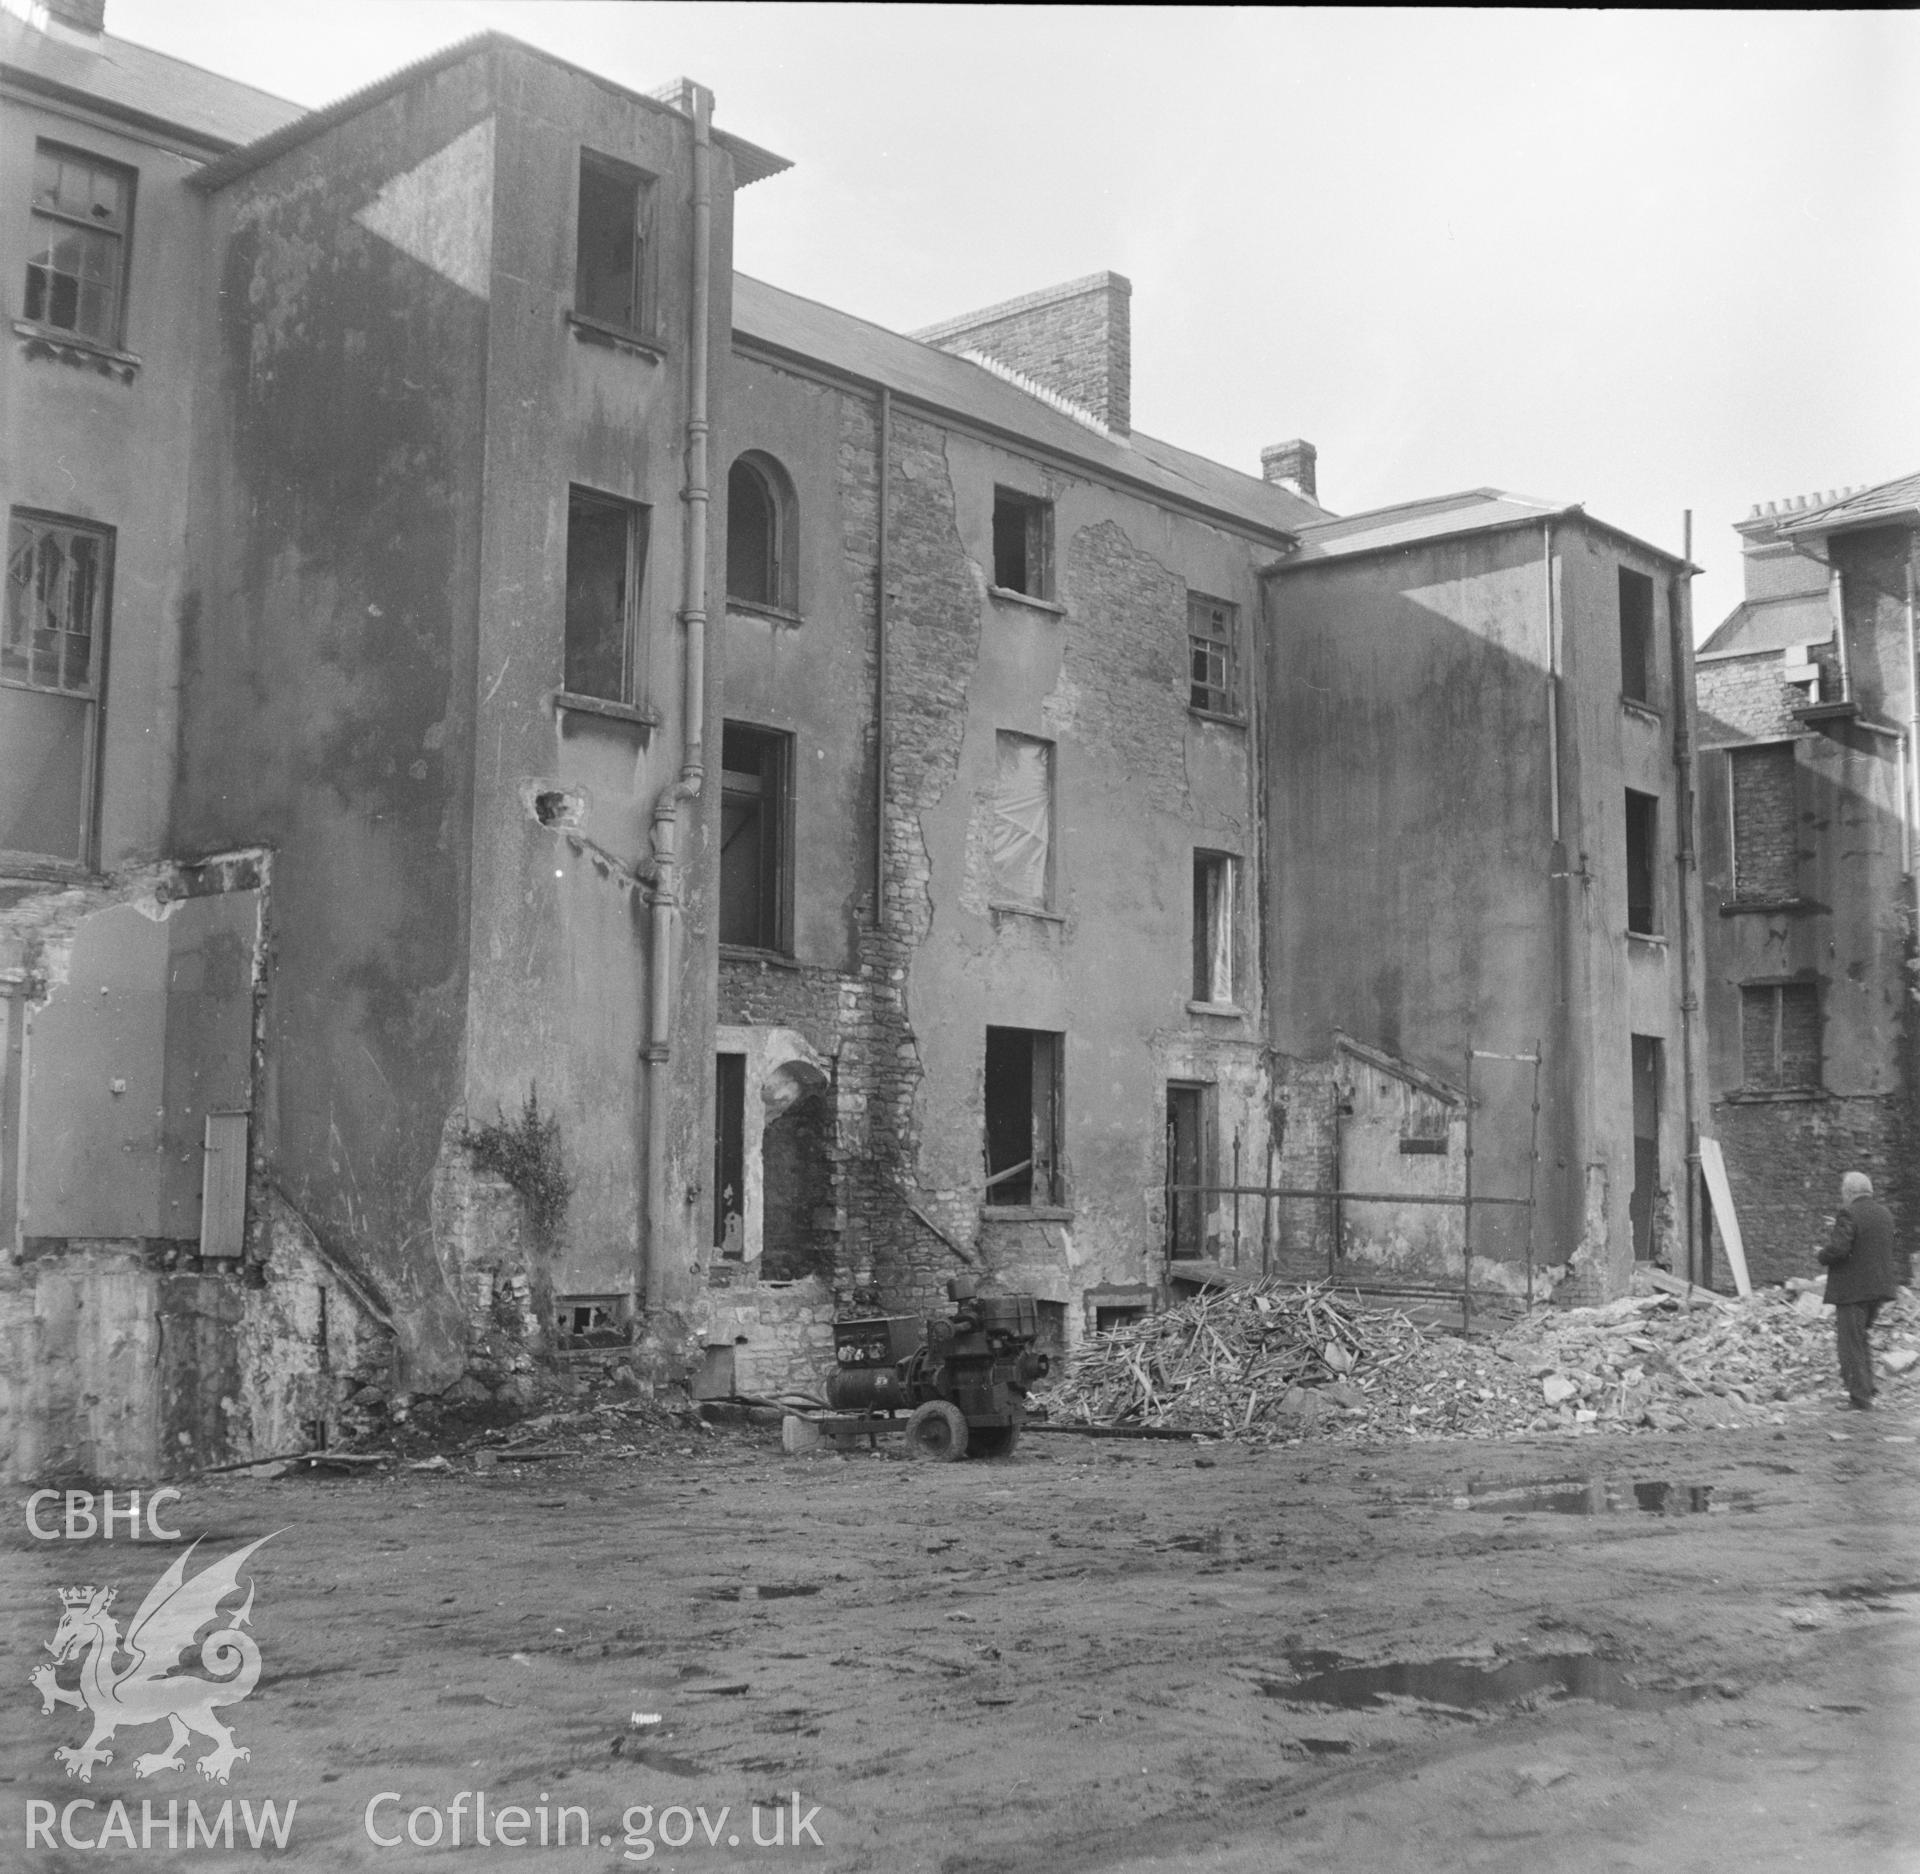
x,y
1647,261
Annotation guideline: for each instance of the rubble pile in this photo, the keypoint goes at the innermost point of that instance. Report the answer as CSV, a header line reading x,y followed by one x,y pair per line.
x,y
1220,1363
1272,1362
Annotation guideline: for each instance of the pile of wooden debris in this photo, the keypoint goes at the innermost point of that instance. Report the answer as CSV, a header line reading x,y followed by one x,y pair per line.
x,y
1273,1361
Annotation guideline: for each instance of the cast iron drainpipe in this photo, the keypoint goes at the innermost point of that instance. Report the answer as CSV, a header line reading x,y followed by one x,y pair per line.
x,y
1912,803
663,900
1686,862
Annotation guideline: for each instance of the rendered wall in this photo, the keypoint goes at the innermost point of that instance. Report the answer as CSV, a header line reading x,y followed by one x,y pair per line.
x,y
1419,899
560,943
328,655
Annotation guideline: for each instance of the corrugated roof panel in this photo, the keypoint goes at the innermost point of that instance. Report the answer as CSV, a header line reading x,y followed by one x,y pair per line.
x,y
1772,624
1476,510
132,78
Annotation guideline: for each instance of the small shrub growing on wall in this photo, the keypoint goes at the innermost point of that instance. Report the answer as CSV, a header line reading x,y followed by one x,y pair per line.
x,y
526,1153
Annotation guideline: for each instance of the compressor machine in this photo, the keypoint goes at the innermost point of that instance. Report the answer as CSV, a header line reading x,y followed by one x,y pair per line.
x,y
963,1382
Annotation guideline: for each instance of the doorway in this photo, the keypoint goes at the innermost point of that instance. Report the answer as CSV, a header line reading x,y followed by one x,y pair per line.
x,y
1187,1169
1648,1070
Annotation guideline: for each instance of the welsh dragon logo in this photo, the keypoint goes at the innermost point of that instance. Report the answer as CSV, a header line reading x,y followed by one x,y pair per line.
x,y
145,1690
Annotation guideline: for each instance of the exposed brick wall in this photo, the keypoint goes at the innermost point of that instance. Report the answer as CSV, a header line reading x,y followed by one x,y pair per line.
x,y
1744,696
860,1020
1766,857
1076,339
781,1334
1784,1162
1308,1159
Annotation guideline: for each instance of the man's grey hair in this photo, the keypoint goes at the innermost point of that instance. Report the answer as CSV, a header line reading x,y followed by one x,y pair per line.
x,y
1855,1184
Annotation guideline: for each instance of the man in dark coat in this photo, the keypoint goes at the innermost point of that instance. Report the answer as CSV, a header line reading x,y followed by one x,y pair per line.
x,y
1859,1260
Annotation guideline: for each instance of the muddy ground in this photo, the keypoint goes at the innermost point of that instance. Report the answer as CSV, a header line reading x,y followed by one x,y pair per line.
x,y
1094,1655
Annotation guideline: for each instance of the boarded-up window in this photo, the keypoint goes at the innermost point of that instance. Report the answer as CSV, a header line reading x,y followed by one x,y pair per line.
x,y
1643,846
1779,1036
1020,826
606,570
223,1188
1765,861
1636,636
1022,1098
1212,927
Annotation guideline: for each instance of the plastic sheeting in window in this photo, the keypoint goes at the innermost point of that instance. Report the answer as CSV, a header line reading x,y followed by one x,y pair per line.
x,y
1020,828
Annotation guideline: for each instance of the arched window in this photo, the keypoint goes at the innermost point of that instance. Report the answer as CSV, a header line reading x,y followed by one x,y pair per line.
x,y
760,544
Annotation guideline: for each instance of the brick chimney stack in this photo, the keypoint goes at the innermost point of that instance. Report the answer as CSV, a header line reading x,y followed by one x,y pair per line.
x,y
83,16
1076,340
1290,465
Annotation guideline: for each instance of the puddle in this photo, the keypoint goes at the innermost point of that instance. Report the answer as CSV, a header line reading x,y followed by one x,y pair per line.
x,y
1325,1746
1602,1496
1469,1685
664,1761
1871,1594
767,1591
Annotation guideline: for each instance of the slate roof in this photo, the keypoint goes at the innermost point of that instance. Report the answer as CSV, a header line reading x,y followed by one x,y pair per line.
x,y
149,88
783,322
1414,523
1865,507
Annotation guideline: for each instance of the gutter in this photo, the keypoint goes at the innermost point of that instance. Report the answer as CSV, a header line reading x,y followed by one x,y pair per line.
x,y
200,145
663,899
881,726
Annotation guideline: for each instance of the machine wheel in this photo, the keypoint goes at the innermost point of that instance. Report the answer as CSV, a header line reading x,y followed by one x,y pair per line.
x,y
993,1441
937,1430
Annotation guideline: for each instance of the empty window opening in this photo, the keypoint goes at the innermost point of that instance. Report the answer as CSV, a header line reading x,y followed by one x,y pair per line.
x,y
1109,1320
1023,1116
606,569
1779,1037
1213,927
589,1321
1643,898
1020,829
610,258
730,1155
77,260
755,836
1211,654
1761,782
1636,636
1022,544
1190,1167
760,547
52,668
1649,1069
